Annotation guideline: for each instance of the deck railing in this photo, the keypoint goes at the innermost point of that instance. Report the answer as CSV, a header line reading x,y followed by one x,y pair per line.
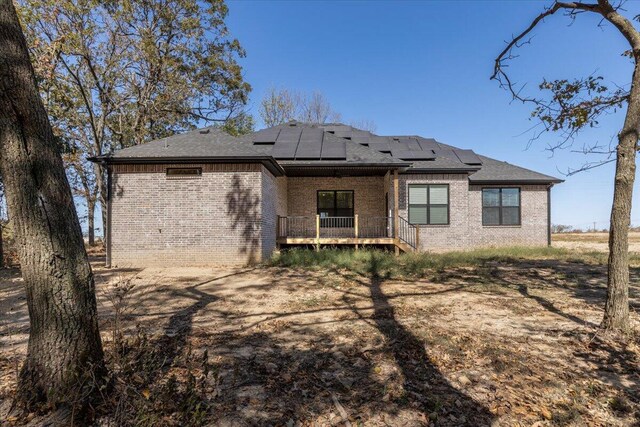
x,y
355,227
408,233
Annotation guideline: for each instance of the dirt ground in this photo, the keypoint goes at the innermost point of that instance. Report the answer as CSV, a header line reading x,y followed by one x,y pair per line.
x,y
592,241
501,344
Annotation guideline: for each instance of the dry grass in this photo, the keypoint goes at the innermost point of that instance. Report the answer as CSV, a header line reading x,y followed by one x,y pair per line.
x,y
487,338
592,241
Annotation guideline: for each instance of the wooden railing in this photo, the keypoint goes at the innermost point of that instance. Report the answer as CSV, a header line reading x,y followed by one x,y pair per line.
x,y
335,227
355,227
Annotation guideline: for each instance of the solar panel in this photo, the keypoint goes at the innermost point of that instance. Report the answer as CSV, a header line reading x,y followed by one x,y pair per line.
x,y
360,139
468,157
311,135
413,155
284,150
289,135
410,143
266,136
360,133
376,138
336,150
446,153
379,146
310,144
428,144
423,155
343,133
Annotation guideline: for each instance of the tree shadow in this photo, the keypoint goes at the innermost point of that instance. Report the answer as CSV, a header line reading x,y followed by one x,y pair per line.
x,y
615,362
244,209
421,379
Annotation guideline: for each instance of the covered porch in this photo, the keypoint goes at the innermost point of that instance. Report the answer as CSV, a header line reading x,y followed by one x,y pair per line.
x,y
336,206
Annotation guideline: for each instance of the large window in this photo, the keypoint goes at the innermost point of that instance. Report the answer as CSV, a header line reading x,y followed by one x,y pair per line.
x,y
429,204
335,203
500,206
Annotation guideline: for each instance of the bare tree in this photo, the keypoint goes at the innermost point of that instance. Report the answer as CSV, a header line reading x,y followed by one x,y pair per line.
x,y
575,104
364,124
315,108
64,358
283,105
279,106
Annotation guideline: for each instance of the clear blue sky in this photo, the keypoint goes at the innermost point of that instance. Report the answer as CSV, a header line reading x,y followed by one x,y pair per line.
x,y
423,68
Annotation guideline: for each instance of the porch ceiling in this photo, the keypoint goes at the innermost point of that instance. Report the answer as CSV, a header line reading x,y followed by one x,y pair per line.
x,y
338,171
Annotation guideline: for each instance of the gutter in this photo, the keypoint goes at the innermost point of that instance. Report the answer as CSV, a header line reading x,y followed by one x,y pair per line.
x,y
518,182
268,161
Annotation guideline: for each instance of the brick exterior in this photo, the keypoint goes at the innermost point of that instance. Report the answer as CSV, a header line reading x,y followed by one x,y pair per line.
x,y
368,194
465,229
223,217
533,229
228,215
439,237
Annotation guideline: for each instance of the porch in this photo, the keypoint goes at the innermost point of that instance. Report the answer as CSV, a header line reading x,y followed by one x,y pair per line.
x,y
338,206
355,231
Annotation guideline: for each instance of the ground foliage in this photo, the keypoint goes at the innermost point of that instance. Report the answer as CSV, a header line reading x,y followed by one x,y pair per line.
x,y
503,337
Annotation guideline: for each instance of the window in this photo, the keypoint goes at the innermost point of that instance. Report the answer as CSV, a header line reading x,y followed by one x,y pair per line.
x,y
429,204
335,204
184,172
500,206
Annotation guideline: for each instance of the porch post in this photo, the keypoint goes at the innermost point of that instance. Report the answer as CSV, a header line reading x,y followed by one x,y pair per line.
x,y
417,238
317,232
278,232
396,205
355,231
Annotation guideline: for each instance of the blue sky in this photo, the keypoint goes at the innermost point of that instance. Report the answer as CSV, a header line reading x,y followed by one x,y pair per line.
x,y
423,68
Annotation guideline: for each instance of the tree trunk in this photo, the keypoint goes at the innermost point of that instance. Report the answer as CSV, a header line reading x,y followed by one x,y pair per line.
x,y
103,192
64,363
616,316
1,246
91,215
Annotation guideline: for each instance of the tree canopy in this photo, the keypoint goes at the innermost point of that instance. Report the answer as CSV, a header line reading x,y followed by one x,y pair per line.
x,y
118,73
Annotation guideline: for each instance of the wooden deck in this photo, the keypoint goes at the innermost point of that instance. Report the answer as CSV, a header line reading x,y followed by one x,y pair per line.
x,y
354,231
336,241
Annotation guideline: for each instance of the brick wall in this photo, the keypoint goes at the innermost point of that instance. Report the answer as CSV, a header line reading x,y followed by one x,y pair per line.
x,y
214,219
465,229
440,237
368,194
228,215
532,230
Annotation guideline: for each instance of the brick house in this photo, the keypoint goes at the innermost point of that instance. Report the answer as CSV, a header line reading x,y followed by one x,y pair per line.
x,y
207,198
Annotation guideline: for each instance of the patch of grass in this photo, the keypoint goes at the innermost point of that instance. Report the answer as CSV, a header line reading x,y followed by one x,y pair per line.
x,y
419,264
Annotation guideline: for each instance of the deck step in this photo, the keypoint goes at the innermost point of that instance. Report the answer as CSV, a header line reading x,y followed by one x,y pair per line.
x,y
405,247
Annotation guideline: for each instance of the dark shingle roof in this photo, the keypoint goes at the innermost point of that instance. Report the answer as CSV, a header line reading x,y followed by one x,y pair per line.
x,y
495,171
207,142
299,145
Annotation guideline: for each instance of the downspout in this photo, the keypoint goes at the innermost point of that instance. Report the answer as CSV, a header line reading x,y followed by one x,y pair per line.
x,y
549,215
107,231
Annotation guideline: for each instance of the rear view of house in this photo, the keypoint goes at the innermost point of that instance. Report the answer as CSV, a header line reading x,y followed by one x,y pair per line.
x,y
207,198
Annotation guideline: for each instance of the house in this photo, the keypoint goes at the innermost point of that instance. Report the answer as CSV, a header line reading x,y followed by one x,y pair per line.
x,y
207,198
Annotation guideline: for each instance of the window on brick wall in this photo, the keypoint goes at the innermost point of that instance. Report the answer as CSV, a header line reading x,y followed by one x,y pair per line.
x,y
184,172
429,204
336,204
501,206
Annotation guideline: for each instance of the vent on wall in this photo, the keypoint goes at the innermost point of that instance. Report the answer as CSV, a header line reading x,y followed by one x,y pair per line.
x,y
184,172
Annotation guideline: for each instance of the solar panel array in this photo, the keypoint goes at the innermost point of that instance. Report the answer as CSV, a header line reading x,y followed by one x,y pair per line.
x,y
293,142
301,143
404,147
